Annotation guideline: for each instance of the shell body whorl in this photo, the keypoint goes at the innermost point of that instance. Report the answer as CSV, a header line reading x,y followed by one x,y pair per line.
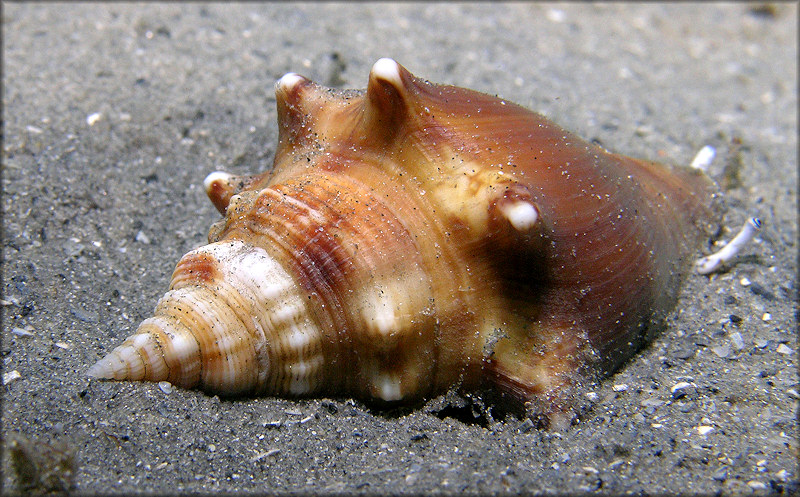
x,y
412,237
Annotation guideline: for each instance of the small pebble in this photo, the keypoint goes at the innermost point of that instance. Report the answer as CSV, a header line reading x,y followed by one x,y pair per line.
x,y
782,475
142,238
766,317
721,474
63,345
84,315
526,426
11,376
729,300
703,158
212,448
73,247
21,332
165,386
556,15
756,485
735,319
591,396
701,339
768,371
736,339
722,350
745,282
685,348
783,349
91,119
793,394
652,403
681,389
763,292
620,387
761,342
704,429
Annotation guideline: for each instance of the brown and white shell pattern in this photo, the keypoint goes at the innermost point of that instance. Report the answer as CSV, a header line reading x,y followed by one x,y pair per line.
x,y
414,237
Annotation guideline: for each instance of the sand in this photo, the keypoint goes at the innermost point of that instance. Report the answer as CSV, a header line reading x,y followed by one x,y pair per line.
x,y
114,114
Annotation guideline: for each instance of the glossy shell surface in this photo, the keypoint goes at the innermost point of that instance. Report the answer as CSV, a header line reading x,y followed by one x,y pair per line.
x,y
414,237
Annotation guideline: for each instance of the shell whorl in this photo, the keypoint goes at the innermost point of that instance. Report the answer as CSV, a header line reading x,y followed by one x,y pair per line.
x,y
228,302
414,236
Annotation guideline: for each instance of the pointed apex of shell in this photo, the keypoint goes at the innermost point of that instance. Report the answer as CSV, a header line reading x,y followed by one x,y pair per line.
x,y
215,177
102,369
388,78
134,359
289,89
289,81
219,188
387,70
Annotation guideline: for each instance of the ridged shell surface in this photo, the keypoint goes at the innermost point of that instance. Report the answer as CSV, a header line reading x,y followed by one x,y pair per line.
x,y
414,237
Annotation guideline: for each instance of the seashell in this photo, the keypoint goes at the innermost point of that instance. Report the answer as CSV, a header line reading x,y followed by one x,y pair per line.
x,y
414,237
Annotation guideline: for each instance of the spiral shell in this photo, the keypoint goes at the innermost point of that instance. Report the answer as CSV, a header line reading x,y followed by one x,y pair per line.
x,y
414,237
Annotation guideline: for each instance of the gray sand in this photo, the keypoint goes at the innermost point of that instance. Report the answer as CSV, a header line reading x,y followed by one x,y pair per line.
x,y
114,114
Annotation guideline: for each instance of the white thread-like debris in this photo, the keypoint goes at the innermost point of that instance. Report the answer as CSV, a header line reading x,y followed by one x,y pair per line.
x,y
704,158
711,263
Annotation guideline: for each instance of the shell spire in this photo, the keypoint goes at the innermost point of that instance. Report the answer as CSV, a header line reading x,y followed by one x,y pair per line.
x,y
415,237
206,330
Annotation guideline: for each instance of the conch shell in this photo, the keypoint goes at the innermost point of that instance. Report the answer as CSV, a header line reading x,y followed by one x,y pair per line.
x,y
414,237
